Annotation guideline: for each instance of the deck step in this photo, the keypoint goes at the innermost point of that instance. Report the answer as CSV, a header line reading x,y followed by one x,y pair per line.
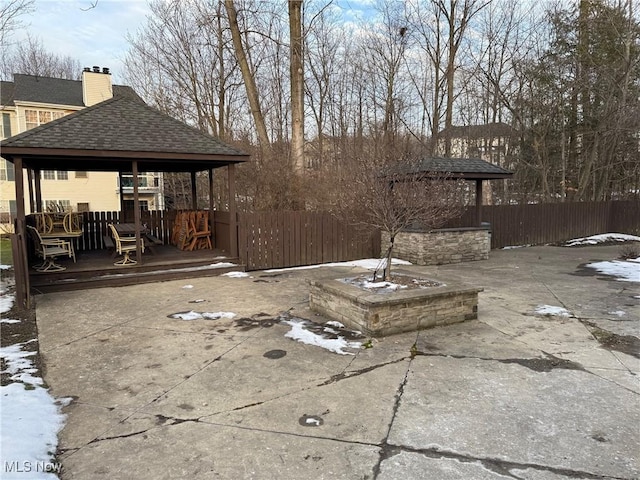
x,y
122,277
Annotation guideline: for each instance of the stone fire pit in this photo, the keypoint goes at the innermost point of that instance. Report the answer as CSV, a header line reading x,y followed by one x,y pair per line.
x,y
382,314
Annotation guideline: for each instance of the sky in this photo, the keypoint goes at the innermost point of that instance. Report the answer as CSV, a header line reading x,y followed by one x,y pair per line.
x,y
94,36
97,36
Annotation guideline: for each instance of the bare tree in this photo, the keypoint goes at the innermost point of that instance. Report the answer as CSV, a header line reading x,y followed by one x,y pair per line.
x,y
32,58
297,83
10,13
248,78
393,197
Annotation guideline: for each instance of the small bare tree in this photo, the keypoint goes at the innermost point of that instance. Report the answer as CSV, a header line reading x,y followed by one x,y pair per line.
x,y
394,197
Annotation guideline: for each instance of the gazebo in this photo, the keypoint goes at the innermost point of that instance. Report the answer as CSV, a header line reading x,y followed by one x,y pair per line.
x,y
122,134
471,169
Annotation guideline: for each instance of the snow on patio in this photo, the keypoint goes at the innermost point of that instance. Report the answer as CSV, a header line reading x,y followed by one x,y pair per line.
x,y
30,418
330,336
368,263
602,238
623,270
192,315
550,310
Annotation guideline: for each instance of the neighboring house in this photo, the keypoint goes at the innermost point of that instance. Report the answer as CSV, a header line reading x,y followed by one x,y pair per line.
x,y
495,143
30,101
492,142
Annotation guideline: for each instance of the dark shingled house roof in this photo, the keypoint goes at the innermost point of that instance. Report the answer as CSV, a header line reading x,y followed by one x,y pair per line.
x,y
108,135
487,130
33,88
463,168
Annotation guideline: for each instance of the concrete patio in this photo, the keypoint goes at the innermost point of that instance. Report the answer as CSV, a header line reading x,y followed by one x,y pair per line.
x,y
510,395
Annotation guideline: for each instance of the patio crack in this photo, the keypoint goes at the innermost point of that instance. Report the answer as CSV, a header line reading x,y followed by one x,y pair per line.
x,y
384,450
161,421
496,465
333,379
545,364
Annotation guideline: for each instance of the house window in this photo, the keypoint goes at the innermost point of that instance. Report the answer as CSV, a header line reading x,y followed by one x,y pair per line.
x,y
31,119
8,207
144,205
57,205
55,175
6,171
81,175
8,210
83,207
34,118
6,125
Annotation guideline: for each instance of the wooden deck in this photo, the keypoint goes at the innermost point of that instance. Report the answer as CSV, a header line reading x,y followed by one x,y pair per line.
x,y
95,269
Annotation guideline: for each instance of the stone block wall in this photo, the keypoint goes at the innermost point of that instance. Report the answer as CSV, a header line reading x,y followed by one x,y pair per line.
x,y
387,314
440,247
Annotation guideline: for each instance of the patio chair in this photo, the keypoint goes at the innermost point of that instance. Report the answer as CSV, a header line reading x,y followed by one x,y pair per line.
x,y
124,246
72,223
49,249
200,233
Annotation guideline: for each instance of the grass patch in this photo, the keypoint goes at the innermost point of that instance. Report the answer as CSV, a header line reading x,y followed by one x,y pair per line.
x,y
6,256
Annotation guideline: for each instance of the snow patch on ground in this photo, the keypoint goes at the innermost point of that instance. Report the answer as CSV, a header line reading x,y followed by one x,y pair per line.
x,y
30,419
552,311
224,264
300,332
6,300
191,315
618,313
601,238
235,274
511,247
368,263
187,286
623,271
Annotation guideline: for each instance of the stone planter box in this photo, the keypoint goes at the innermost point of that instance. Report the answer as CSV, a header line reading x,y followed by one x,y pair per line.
x,y
382,314
440,247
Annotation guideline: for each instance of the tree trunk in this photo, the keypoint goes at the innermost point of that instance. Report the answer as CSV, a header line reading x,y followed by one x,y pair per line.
x,y
249,81
297,84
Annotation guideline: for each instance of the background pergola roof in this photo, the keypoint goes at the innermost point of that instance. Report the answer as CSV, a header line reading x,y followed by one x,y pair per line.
x,y
110,134
459,168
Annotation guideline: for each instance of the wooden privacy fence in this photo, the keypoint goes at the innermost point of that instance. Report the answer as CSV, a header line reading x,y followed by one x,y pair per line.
x,y
287,239
554,222
290,239
94,225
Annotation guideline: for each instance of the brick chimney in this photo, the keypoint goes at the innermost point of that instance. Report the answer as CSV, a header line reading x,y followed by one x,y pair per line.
x,y
96,85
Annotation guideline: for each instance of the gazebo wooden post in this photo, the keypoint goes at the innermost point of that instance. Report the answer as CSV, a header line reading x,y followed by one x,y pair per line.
x,y
136,211
233,221
479,202
32,205
121,193
21,265
38,185
211,212
194,193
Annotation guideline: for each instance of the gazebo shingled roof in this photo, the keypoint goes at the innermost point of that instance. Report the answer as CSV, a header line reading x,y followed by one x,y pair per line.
x,y
108,135
460,168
